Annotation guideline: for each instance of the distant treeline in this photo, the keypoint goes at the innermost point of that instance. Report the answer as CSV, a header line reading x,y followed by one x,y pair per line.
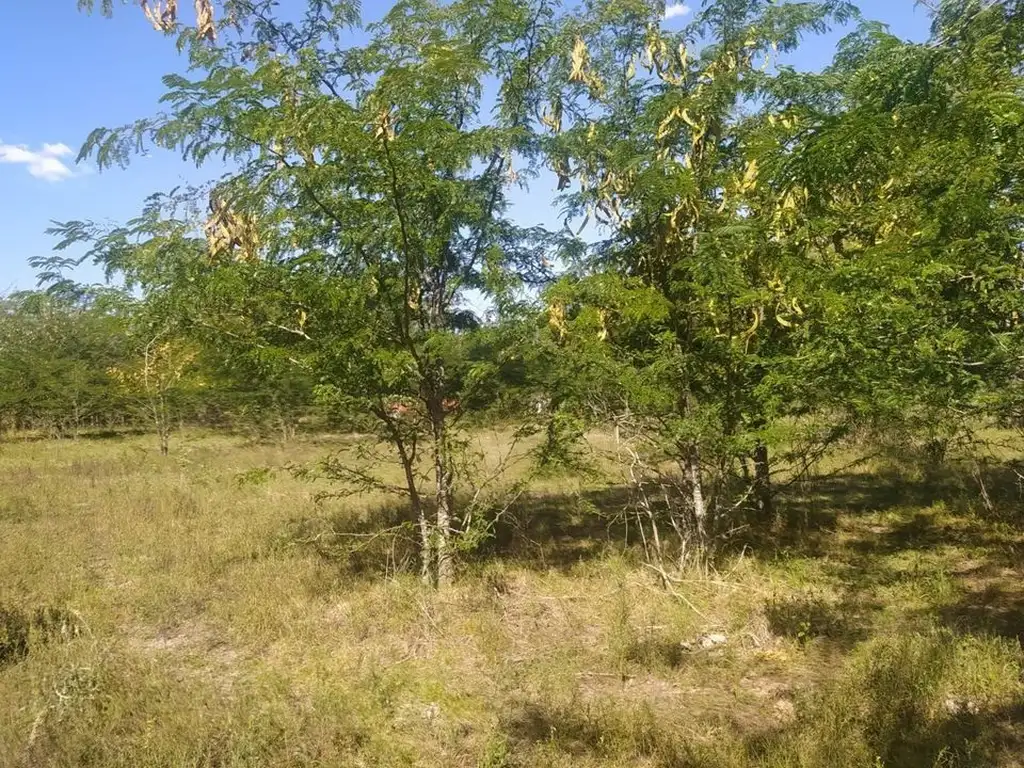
x,y
73,365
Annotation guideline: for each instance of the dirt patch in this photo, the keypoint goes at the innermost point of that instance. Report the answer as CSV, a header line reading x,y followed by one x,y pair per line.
x,y
205,652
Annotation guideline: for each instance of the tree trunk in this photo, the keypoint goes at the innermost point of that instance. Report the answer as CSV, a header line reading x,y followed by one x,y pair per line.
x,y
697,498
163,423
443,481
427,573
763,482
745,469
445,556
407,455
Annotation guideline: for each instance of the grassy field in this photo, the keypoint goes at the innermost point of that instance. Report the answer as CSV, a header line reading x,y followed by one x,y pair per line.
x,y
190,611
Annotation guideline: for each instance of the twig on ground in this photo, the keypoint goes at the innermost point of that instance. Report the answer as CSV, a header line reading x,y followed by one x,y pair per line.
x,y
667,582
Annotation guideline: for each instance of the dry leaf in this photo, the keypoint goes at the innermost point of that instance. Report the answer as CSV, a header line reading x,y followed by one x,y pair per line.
x,y
749,181
385,128
580,73
579,61
553,119
163,15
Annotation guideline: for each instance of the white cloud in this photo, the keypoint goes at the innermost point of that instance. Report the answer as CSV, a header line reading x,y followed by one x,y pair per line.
x,y
44,163
675,10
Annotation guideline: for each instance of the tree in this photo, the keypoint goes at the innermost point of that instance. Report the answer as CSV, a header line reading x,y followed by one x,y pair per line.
x,y
369,198
163,14
156,377
691,301
908,158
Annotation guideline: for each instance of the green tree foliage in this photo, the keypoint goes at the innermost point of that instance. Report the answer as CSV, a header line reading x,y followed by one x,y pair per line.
x,y
787,254
905,160
785,257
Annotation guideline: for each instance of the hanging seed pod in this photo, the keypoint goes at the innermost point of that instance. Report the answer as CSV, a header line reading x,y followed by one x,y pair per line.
x,y
205,28
227,231
163,14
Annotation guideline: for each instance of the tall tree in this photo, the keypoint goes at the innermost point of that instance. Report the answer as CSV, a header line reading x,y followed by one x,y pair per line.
x,y
369,197
688,295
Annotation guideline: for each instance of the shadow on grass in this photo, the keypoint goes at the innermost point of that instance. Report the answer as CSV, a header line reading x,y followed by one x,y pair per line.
x,y
558,531
542,531
806,617
581,731
373,541
924,531
570,730
910,699
989,609
100,435
896,704
22,630
909,739
861,731
808,512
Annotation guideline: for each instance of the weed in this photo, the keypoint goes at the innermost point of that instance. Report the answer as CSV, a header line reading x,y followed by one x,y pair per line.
x,y
803,617
496,753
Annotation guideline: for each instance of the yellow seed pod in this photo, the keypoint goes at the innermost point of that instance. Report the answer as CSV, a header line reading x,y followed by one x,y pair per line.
x,y
749,181
556,318
205,27
755,323
553,119
163,15
383,125
665,126
580,55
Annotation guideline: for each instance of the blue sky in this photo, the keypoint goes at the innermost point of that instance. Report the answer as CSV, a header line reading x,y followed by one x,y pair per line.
x,y
65,73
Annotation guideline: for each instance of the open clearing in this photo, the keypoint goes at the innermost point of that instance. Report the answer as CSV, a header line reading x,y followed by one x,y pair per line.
x,y
188,610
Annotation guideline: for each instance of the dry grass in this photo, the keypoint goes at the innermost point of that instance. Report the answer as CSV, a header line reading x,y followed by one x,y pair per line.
x,y
213,626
